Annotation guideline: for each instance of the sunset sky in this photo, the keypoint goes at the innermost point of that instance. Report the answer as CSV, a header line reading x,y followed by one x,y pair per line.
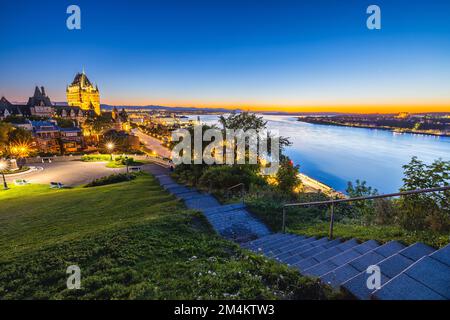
x,y
258,55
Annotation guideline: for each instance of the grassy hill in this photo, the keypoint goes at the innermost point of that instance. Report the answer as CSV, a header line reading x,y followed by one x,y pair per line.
x,y
131,240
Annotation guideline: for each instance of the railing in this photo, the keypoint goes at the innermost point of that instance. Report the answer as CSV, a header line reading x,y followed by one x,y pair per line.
x,y
335,201
242,190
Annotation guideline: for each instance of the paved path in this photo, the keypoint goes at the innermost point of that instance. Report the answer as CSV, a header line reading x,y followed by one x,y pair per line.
x,y
70,173
153,144
233,222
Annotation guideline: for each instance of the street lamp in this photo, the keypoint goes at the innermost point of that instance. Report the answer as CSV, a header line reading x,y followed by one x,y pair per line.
x,y
110,147
3,166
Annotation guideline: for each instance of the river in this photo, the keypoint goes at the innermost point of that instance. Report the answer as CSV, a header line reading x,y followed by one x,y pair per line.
x,y
335,155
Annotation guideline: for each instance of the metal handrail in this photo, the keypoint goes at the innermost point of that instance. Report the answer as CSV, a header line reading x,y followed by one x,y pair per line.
x,y
334,201
238,185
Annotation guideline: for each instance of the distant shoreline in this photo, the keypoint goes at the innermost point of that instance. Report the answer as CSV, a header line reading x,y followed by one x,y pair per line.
x,y
379,128
316,185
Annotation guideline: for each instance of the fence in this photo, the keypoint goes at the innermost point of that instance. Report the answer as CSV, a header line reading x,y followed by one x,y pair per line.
x,y
333,202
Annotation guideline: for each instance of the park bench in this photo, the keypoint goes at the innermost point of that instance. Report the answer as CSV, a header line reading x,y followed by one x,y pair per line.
x,y
56,185
20,182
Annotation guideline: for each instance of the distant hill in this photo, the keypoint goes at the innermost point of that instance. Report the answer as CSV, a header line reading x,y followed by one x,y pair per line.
x,y
107,107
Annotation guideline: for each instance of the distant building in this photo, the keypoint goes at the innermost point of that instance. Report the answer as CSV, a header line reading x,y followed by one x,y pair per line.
x,y
82,93
8,109
46,134
71,139
40,104
50,138
120,120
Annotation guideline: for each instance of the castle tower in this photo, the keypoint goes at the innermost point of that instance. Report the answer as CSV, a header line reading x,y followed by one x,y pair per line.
x,y
82,93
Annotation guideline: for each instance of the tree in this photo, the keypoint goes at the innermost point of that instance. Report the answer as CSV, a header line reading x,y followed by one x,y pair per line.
x,y
244,121
365,208
5,129
426,210
97,125
287,176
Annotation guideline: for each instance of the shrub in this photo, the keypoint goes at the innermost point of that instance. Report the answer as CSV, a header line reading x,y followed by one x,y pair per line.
x,y
428,210
96,157
115,178
287,176
223,177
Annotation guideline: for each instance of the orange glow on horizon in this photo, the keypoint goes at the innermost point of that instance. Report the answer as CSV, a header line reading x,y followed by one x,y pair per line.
x,y
311,108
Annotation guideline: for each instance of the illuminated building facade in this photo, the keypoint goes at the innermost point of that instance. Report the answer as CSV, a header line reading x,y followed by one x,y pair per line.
x,y
82,93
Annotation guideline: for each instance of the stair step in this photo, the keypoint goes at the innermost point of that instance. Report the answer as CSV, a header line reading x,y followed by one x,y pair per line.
x,y
312,251
277,249
430,274
190,195
272,238
389,267
202,203
292,250
260,244
224,208
179,190
269,246
325,255
172,185
403,287
341,259
360,264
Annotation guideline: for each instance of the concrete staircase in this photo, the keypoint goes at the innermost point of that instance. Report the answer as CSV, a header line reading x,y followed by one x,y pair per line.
x,y
233,222
407,272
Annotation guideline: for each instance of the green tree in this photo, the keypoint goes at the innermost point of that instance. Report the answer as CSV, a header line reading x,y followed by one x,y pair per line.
x,y
287,176
365,208
244,121
426,210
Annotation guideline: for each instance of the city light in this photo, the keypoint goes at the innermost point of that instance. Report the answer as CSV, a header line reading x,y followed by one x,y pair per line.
x,y
110,146
20,149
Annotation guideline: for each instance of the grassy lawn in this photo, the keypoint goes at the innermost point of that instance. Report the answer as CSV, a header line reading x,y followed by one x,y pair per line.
x,y
23,169
115,163
306,222
132,241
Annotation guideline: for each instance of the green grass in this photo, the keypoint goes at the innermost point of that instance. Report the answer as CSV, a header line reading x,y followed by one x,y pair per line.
x,y
23,169
131,240
314,222
115,164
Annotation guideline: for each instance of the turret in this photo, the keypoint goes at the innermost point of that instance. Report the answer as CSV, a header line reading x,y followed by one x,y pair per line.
x,y
37,93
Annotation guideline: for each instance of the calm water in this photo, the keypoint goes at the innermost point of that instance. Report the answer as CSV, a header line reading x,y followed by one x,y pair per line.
x,y
336,155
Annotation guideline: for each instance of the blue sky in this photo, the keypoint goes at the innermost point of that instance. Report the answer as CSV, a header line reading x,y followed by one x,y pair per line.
x,y
258,54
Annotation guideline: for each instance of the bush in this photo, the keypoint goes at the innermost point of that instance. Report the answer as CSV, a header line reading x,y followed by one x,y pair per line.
x,y
223,177
428,210
96,157
287,177
115,178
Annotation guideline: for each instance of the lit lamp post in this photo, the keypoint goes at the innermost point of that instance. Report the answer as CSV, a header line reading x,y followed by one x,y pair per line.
x,y
110,147
3,166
